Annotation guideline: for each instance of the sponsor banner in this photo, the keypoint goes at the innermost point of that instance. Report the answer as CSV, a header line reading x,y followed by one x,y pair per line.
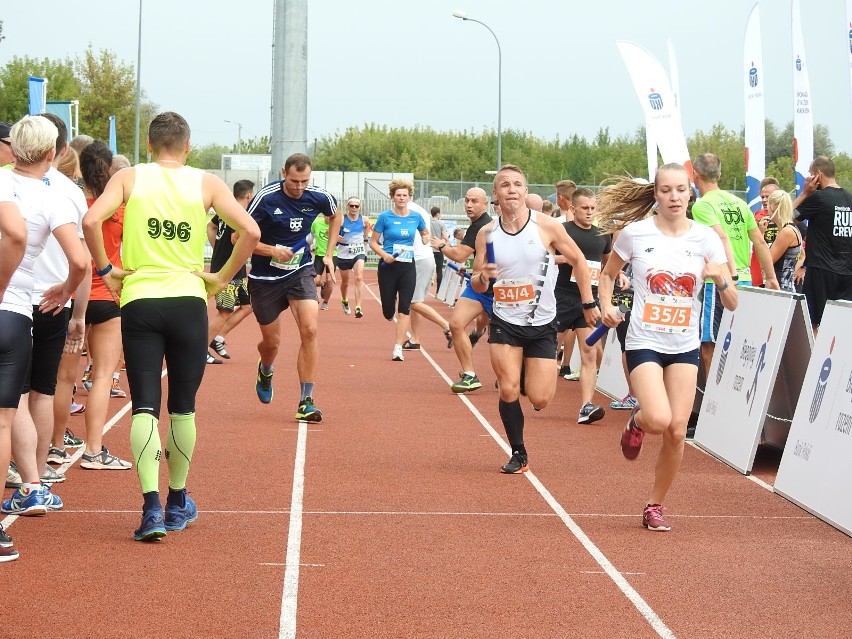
x,y
849,34
658,101
755,117
38,95
611,380
803,118
452,284
815,471
751,343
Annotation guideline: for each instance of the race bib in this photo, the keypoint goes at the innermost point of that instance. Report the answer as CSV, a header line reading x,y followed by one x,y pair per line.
x,y
667,313
513,293
403,252
356,249
290,265
594,272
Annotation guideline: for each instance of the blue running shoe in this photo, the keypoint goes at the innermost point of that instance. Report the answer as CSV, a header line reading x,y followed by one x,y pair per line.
x,y
263,385
308,412
153,527
31,505
178,517
51,501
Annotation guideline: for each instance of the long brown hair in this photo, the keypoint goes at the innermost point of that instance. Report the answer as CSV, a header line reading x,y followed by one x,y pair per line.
x,y
628,200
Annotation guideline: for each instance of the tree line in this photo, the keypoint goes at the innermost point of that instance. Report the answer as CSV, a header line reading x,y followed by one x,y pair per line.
x,y
106,86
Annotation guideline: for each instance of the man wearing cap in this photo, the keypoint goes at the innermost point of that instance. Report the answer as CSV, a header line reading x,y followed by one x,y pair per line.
x,y
6,159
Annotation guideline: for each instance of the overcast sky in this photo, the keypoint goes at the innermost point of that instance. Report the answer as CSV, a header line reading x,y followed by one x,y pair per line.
x,y
409,62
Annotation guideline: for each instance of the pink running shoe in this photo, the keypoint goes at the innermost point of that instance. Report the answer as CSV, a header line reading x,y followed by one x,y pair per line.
x,y
631,438
653,519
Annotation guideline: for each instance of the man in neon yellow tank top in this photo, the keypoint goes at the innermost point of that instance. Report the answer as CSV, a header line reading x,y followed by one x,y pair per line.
x,y
162,290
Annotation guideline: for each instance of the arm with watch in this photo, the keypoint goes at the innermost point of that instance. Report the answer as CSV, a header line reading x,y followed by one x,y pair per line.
x,y
107,204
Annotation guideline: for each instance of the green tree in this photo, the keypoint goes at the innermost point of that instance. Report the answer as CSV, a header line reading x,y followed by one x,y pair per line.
x,y
207,157
108,87
14,82
260,145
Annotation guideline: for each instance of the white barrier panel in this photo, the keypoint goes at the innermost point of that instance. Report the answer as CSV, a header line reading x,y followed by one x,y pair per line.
x,y
751,344
816,468
451,286
611,380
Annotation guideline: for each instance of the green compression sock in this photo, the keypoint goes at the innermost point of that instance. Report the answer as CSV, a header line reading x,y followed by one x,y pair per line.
x,y
145,443
179,448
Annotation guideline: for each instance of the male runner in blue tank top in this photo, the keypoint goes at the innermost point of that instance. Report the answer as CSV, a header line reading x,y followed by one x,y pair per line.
x,y
281,279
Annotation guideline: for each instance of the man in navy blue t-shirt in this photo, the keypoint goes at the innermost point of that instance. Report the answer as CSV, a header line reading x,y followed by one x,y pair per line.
x,y
282,274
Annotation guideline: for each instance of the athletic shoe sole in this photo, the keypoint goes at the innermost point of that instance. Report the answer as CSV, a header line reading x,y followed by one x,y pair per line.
x,y
594,416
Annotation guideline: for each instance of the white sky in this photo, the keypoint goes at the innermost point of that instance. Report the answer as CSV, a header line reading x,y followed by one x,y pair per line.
x,y
409,62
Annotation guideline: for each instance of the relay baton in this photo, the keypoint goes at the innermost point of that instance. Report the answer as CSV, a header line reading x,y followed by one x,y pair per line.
x,y
597,334
603,329
393,255
457,268
299,245
489,250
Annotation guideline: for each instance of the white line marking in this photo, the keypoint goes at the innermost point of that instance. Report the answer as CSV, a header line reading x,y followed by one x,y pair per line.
x,y
287,626
756,480
618,578
308,565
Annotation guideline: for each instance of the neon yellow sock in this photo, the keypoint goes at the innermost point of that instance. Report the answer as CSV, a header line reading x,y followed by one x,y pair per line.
x,y
145,444
179,448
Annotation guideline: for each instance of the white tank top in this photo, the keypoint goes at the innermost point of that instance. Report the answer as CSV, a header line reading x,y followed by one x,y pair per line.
x,y
526,275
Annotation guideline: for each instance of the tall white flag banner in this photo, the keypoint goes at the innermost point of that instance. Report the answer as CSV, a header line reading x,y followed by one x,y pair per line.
x,y
755,116
658,101
674,76
803,118
651,148
849,34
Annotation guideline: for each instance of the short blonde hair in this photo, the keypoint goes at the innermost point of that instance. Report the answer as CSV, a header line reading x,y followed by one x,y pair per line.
x,y
400,183
33,138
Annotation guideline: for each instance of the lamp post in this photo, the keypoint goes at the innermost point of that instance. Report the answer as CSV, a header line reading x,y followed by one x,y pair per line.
x,y
138,88
463,16
239,136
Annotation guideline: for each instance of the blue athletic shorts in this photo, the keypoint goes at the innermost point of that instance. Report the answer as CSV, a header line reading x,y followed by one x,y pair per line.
x,y
485,299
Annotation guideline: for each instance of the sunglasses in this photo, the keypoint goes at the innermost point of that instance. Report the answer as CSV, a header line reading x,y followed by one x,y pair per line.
x,y
354,206
6,142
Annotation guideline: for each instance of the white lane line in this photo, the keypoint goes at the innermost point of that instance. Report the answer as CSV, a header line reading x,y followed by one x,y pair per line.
x,y
750,477
8,520
632,595
287,624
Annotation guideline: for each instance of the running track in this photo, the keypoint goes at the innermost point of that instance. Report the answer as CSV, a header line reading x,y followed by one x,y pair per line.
x,y
390,520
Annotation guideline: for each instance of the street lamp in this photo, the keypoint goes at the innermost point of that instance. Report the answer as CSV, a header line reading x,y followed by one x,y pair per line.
x,y
239,135
463,16
138,88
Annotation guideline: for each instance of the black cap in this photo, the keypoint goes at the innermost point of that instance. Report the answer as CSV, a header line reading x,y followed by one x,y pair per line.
x,y
4,130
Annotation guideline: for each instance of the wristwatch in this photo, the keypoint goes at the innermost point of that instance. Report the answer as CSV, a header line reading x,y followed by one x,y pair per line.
x,y
589,305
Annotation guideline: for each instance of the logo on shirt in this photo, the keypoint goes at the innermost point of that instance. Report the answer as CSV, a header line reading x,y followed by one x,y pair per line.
x,y
277,212
798,63
650,249
295,224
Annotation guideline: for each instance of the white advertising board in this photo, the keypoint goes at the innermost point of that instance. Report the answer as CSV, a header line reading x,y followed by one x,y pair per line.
x,y
750,345
816,467
611,380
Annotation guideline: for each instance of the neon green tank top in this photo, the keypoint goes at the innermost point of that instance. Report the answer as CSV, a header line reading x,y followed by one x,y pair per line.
x,y
164,233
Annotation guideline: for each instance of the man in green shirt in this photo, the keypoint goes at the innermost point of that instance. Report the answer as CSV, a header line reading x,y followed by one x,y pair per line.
x,y
319,231
731,218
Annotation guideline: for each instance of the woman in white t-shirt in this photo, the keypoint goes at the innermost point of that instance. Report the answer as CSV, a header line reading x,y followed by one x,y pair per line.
x,y
671,256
